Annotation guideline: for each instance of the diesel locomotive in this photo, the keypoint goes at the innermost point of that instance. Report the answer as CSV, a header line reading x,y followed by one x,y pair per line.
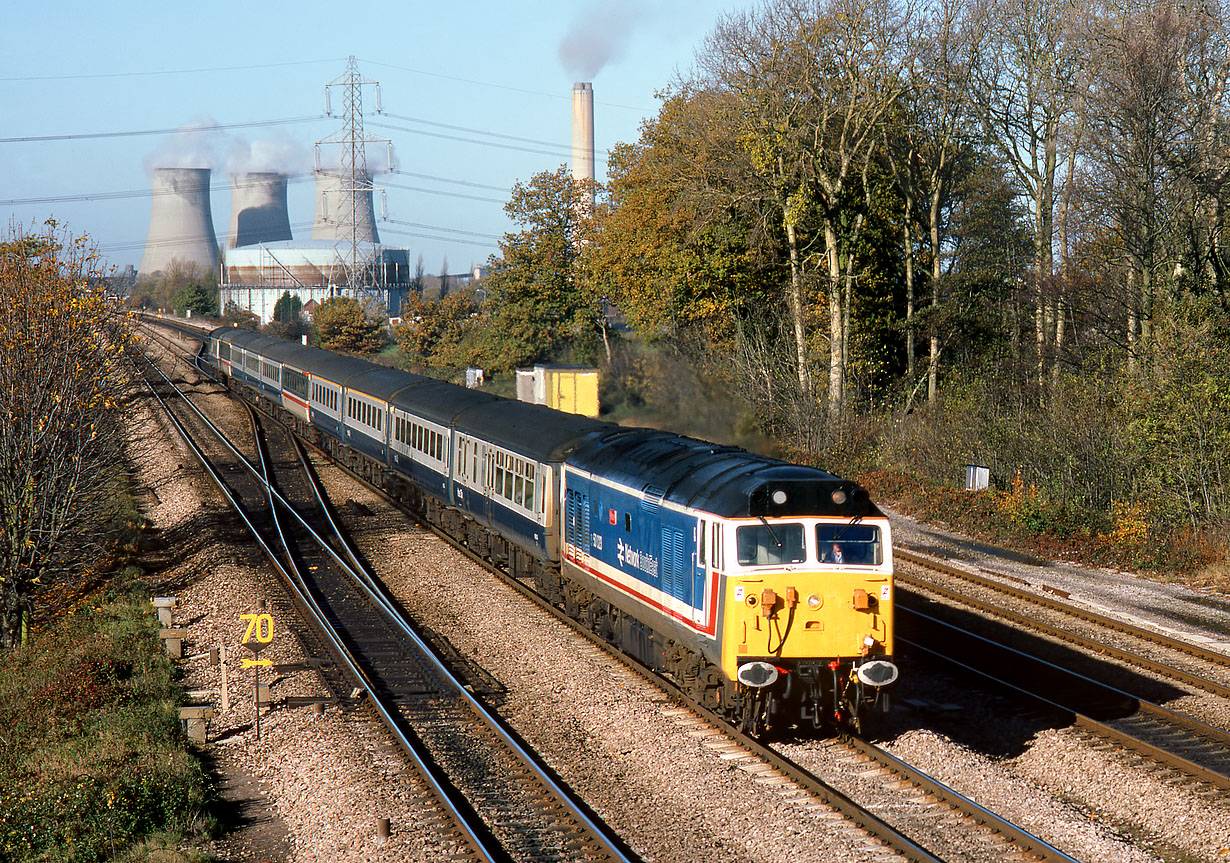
x,y
763,589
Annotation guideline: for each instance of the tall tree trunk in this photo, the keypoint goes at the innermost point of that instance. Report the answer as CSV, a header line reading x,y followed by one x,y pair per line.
x,y
837,348
907,233
796,307
1065,267
1146,310
1132,318
937,271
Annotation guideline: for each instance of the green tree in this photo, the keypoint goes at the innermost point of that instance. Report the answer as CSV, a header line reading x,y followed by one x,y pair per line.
x,y
437,333
197,297
288,308
1182,424
344,324
237,316
535,301
62,375
287,320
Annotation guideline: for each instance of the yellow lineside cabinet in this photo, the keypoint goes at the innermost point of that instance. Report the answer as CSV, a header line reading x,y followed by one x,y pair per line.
x,y
573,389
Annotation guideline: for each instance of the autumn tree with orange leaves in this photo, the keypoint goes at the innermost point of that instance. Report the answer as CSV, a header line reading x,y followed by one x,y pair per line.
x,y
62,375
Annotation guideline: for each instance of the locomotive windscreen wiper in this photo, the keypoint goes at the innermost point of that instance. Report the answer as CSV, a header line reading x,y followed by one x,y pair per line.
x,y
767,527
841,533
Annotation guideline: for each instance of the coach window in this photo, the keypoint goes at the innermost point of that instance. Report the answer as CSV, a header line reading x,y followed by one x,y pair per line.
x,y
627,522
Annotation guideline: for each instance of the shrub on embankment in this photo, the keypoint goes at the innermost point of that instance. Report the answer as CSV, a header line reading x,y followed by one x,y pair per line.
x,y
94,765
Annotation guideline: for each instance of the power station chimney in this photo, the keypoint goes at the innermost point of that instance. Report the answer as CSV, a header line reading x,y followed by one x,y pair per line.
x,y
181,226
583,135
258,209
333,197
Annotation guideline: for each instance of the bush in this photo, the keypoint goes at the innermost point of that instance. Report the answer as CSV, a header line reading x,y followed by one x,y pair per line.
x,y
95,761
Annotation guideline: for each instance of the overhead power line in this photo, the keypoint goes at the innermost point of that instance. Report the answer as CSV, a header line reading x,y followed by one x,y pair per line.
x,y
561,153
441,192
153,73
458,240
439,228
447,180
139,132
554,144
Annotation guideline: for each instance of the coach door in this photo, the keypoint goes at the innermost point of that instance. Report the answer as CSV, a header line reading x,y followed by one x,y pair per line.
x,y
708,558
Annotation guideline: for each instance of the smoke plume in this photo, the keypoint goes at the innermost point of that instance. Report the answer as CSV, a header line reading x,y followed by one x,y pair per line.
x,y
597,37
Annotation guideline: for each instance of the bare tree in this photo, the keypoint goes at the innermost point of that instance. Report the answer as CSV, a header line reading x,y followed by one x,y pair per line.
x,y
1203,165
1136,110
62,378
924,150
1024,89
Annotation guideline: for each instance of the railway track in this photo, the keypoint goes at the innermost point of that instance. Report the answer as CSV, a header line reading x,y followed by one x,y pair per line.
x,y
504,804
978,827
1135,646
802,787
1035,658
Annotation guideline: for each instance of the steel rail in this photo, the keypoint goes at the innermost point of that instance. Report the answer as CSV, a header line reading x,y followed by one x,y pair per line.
x,y
1077,639
1157,753
367,582
1141,632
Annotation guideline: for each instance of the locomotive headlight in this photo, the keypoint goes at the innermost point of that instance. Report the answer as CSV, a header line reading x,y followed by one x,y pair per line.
x,y
814,601
779,497
869,642
839,497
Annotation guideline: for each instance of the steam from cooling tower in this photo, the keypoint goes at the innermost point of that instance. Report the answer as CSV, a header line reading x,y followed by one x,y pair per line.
x,y
196,144
597,37
276,152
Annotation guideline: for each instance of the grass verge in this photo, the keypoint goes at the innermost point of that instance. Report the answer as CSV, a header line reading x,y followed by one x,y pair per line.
x,y
94,764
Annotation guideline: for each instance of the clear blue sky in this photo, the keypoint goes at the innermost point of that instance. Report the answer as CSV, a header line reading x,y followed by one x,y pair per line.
x,y
83,69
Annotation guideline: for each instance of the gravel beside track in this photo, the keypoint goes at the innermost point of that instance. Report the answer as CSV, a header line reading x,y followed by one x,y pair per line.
x,y
642,765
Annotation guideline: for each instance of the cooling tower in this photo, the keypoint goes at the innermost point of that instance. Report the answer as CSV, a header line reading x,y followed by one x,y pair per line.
x,y
333,201
583,133
181,226
258,210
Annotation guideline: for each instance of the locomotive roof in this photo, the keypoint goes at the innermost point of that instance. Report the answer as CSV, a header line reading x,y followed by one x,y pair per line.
x,y
532,430
726,481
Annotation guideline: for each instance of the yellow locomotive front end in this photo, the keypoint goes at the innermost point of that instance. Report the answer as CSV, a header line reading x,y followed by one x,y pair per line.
x,y
807,621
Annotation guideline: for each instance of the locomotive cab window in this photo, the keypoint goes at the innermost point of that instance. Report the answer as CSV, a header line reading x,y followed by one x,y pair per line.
x,y
849,543
770,545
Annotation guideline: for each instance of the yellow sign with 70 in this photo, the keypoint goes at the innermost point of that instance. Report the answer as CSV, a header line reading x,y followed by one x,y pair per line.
x,y
257,637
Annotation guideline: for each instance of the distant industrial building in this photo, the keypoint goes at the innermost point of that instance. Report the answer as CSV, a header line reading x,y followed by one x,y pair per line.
x,y
255,277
